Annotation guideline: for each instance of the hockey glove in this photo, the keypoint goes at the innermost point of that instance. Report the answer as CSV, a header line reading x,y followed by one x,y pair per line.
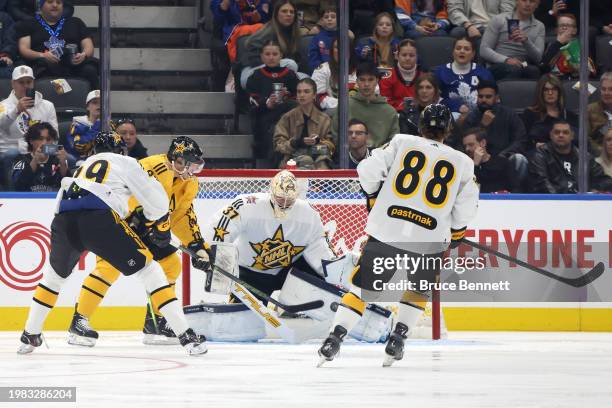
x,y
159,233
202,261
457,236
138,222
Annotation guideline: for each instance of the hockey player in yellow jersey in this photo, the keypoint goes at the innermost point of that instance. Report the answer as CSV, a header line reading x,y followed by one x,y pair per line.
x,y
421,196
176,172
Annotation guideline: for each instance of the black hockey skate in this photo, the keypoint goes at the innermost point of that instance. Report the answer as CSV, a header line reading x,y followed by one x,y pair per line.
x,y
80,332
157,331
331,345
29,342
193,343
395,345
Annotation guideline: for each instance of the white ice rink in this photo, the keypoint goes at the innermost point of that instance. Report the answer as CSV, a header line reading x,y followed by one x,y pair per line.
x,y
517,370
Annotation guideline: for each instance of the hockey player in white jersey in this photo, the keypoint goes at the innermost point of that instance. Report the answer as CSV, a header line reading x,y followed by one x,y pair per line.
x,y
89,215
273,232
421,196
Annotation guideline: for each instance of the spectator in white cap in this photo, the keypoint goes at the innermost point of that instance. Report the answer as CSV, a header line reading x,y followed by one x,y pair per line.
x,y
23,108
84,129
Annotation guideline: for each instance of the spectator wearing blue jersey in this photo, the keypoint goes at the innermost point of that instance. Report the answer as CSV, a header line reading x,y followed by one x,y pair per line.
x,y
459,79
422,18
84,129
233,13
321,44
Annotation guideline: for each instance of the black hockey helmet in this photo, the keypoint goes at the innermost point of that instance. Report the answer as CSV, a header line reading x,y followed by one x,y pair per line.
x,y
187,149
109,142
435,117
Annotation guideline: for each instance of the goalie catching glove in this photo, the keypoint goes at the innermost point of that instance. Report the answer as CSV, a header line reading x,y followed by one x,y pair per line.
x,y
202,261
156,232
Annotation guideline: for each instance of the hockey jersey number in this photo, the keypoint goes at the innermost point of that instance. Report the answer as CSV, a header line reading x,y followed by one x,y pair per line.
x,y
408,179
96,171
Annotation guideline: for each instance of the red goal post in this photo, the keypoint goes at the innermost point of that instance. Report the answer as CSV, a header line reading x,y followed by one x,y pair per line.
x,y
335,194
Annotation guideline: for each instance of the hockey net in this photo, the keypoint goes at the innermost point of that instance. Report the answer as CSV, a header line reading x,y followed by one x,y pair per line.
x,y
335,194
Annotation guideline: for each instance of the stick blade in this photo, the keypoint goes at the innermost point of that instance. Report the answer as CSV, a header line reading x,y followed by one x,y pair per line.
x,y
302,307
590,276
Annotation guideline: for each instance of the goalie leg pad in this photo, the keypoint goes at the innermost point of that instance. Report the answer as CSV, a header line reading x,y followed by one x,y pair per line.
x,y
225,322
223,255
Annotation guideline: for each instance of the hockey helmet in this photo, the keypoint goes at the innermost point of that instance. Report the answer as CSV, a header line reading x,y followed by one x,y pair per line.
x,y
187,149
435,117
283,192
109,142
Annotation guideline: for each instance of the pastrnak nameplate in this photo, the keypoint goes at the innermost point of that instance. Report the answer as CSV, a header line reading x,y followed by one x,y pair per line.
x,y
413,216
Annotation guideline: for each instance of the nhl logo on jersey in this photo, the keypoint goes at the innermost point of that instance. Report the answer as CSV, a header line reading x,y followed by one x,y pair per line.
x,y
275,252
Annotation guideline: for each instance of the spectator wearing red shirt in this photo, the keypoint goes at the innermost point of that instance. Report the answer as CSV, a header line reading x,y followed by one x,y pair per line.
x,y
399,82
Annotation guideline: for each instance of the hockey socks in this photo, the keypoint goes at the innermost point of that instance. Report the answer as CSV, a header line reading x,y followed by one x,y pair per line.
x,y
44,300
94,288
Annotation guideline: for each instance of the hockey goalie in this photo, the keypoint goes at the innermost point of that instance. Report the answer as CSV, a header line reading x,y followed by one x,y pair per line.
x,y
275,241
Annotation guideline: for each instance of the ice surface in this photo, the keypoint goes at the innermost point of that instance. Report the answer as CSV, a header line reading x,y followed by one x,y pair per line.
x,y
518,370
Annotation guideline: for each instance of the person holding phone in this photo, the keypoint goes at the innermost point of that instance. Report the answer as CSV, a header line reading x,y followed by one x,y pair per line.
x,y
23,107
45,164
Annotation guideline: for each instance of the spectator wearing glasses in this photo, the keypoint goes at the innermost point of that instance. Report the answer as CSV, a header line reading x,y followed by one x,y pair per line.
x,y
127,130
357,142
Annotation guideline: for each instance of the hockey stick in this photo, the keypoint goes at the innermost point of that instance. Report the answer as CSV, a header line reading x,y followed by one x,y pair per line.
x,y
579,282
289,308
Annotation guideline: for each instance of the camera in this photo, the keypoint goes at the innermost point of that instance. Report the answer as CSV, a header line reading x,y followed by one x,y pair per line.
x,y
51,149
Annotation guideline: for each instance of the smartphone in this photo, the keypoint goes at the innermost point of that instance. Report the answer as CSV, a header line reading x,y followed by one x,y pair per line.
x,y
31,93
513,24
51,149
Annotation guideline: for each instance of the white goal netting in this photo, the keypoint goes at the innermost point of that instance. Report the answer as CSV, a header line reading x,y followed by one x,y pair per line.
x,y
336,195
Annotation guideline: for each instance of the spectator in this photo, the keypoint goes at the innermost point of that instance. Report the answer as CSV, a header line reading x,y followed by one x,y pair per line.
x,y
321,44
548,108
427,92
43,42
471,17
272,89
127,130
303,133
459,79
493,173
283,29
382,45
8,45
326,78
421,18
554,168
42,168
22,108
309,13
26,9
239,18
357,142
399,83
505,130
84,129
605,158
373,110
518,53
600,113
562,57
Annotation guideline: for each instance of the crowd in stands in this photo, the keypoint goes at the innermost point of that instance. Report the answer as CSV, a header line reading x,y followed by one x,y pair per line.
x,y
41,41
391,80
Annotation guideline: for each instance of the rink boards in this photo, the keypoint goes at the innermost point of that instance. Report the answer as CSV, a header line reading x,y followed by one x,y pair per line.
x,y
583,221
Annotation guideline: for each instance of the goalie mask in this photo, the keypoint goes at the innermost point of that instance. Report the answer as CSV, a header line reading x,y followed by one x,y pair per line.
x,y
283,193
186,157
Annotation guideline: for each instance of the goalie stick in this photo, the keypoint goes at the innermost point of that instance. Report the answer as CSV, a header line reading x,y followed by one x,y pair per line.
x,y
579,282
301,307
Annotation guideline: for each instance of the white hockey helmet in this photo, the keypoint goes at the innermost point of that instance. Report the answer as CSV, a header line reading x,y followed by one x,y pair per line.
x,y
283,192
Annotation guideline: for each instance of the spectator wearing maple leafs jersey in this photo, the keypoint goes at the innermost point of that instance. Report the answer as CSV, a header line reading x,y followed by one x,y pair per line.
x,y
459,79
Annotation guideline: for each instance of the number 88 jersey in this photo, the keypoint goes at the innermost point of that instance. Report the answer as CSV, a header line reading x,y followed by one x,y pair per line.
x,y
424,189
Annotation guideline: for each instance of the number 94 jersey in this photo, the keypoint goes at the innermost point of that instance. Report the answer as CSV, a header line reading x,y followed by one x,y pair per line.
x,y
424,187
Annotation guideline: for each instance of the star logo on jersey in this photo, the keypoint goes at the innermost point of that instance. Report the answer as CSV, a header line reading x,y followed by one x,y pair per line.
x,y
275,252
220,233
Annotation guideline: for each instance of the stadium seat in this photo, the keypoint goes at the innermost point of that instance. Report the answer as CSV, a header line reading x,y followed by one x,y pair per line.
x,y
517,93
5,88
434,51
71,102
303,65
572,96
603,48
